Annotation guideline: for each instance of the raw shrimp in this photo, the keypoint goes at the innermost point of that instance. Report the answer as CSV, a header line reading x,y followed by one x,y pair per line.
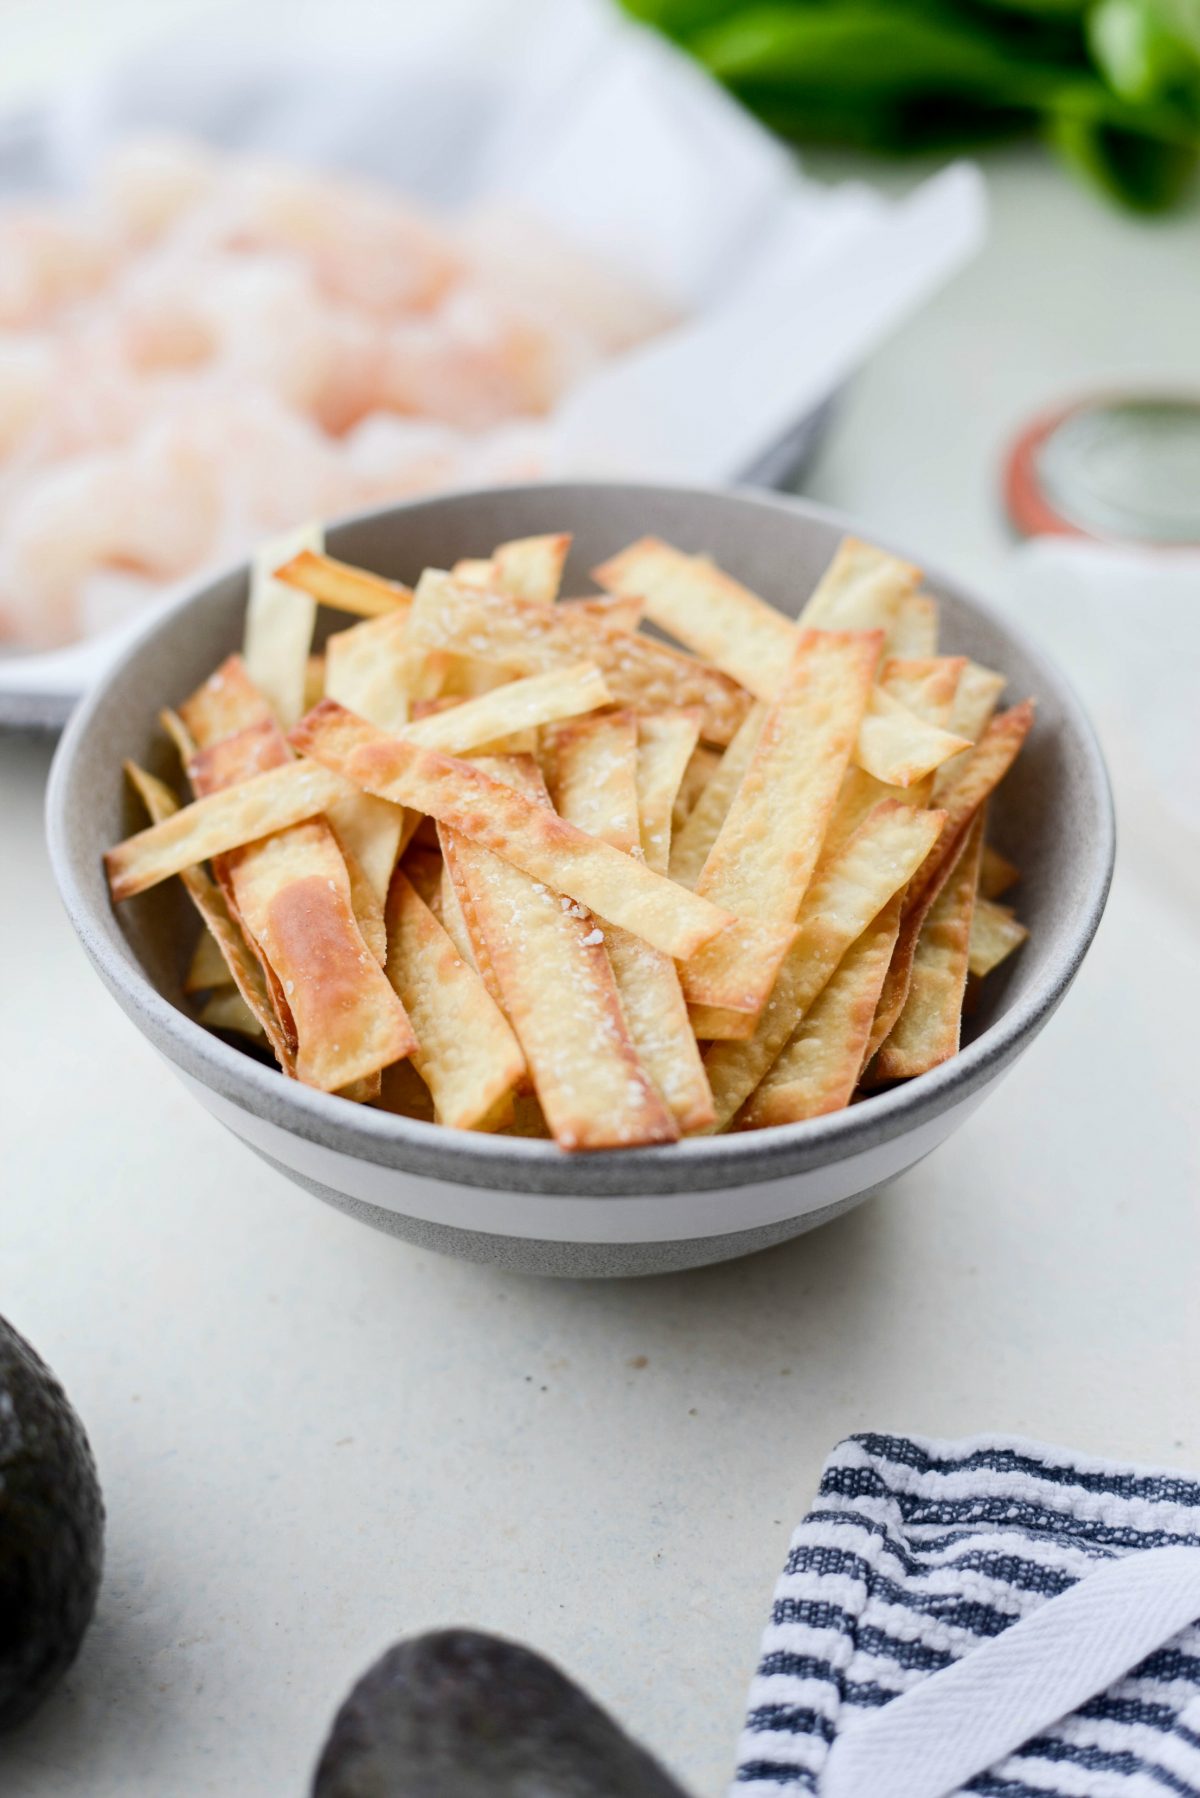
x,y
149,184
48,260
478,362
362,245
223,346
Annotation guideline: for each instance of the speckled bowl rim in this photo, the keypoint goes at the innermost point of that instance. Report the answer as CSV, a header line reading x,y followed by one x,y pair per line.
x,y
520,1164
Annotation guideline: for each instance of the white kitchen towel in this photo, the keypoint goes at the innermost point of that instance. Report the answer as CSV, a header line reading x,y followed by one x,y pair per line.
x,y
918,1556
1124,622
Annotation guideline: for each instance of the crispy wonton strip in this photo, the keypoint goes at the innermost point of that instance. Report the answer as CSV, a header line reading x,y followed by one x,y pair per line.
x,y
287,796
863,589
228,701
531,567
995,933
928,1030
818,1068
469,801
705,609
914,630
666,744
702,765
768,846
181,737
752,642
976,698
239,955
983,770
294,894
256,749
365,670
453,901
899,747
466,1053
621,610
596,770
227,1010
691,847
403,1092
528,638
520,705
279,625
364,894
208,967
314,681
220,822
559,993
848,891
344,587
927,685
996,873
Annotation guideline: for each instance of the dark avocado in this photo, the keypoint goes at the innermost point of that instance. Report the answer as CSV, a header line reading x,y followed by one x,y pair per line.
x,y
51,1530
457,1714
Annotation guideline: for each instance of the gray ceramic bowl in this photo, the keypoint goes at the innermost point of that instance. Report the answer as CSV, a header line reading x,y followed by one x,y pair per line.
x,y
525,1204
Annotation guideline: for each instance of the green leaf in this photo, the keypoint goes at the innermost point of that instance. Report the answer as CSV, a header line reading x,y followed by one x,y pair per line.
x,y
1142,172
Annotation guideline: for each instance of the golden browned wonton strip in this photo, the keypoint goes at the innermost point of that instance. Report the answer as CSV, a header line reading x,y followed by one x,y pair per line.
x,y
279,626
927,685
995,933
208,967
666,744
690,849
293,893
596,763
287,795
714,615
227,701
558,993
344,587
531,567
996,873
466,1052
702,765
238,955
365,671
846,894
898,746
975,700
818,1068
982,771
929,1027
621,610
472,803
527,638
221,821
914,630
295,896
863,589
225,1009
768,845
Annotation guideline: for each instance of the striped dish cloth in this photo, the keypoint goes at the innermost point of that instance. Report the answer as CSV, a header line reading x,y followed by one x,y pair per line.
x,y
919,1556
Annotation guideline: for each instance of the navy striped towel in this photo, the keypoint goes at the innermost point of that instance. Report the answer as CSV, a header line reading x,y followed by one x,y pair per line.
x,y
920,1556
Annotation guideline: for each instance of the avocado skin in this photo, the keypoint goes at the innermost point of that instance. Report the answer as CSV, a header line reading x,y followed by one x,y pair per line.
x,y
51,1530
460,1714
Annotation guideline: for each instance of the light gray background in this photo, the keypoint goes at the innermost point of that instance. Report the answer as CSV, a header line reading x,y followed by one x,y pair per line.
x,y
313,1439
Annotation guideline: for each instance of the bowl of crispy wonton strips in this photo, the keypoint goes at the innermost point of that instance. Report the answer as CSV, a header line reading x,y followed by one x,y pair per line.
x,y
592,878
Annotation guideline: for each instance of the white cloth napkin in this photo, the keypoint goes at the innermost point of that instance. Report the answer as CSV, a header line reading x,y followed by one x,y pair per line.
x,y
988,1615
1124,624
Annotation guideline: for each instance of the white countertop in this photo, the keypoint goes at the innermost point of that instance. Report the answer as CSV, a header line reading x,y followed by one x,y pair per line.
x,y
313,1439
